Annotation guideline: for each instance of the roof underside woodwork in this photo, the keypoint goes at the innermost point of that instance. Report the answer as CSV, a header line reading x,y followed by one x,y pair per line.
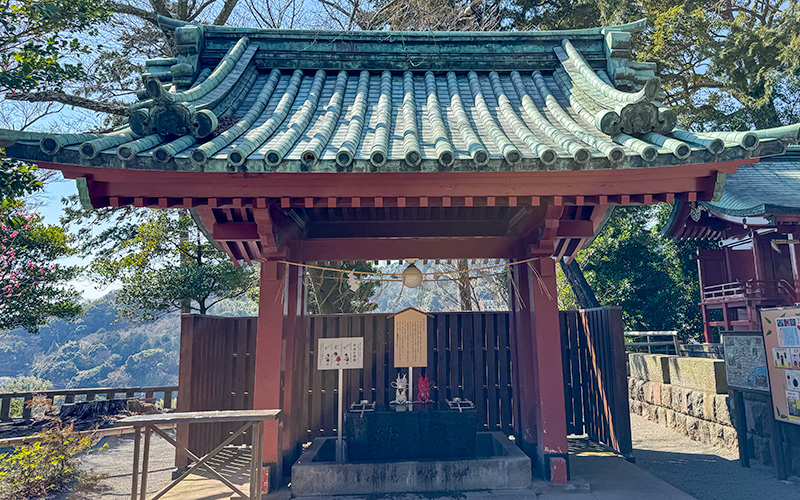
x,y
763,194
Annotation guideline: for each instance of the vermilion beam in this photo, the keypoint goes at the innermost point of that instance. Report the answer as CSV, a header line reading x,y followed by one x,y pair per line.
x,y
637,181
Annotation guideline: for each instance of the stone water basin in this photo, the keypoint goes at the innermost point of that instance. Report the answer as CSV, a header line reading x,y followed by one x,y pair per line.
x,y
497,464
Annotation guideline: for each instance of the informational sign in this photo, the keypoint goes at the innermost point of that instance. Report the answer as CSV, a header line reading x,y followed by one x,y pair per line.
x,y
410,338
745,361
781,327
340,353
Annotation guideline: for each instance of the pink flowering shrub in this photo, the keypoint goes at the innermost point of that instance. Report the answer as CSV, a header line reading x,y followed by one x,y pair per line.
x,y
32,283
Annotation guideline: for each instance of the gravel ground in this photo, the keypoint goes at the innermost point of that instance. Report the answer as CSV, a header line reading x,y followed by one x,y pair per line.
x,y
116,461
705,472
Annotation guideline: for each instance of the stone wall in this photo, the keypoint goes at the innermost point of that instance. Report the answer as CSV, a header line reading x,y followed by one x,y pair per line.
x,y
690,396
703,416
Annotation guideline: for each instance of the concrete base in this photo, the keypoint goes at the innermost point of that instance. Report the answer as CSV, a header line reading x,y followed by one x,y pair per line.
x,y
499,464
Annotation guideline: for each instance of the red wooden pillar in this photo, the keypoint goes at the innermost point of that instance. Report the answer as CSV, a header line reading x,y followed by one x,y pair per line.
x,y
267,391
294,345
523,385
551,436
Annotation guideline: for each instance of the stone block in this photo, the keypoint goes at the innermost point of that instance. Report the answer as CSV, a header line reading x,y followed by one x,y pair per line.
x,y
670,418
666,396
647,390
730,437
702,374
650,367
661,415
722,409
636,406
656,393
501,466
681,422
708,407
694,404
693,428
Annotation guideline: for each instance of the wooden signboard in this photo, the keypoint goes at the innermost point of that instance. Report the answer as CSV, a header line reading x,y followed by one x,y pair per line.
x,y
781,327
410,338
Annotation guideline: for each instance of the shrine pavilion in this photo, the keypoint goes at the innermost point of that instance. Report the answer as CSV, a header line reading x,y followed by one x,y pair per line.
x,y
292,147
752,261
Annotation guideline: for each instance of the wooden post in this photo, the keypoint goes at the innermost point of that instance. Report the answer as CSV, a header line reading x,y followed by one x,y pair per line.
x,y
741,426
269,361
340,412
551,436
524,384
292,373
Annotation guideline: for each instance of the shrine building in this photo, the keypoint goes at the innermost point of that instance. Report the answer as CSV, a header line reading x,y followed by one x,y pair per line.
x,y
294,147
752,261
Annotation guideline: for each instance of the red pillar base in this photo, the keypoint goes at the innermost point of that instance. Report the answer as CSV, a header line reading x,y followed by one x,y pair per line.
x,y
558,468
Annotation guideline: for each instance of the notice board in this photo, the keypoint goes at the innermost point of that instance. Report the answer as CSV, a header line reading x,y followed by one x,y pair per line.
x,y
410,338
781,328
340,353
745,361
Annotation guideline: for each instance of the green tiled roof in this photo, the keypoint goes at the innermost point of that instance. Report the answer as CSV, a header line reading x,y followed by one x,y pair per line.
x,y
277,100
771,186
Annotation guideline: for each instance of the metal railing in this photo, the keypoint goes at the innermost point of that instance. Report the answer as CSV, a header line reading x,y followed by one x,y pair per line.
x,y
661,342
66,396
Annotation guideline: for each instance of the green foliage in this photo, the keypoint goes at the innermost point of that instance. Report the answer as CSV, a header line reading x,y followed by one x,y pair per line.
x,y
38,45
44,467
24,384
652,277
31,279
330,291
16,179
731,65
164,262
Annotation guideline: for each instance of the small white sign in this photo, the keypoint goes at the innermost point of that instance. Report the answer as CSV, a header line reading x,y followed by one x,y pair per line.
x,y
340,353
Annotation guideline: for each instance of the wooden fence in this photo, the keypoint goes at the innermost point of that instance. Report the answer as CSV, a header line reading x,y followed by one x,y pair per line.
x,y
13,404
595,382
468,356
216,373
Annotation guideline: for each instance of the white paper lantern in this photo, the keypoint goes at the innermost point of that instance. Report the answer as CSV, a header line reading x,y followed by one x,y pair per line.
x,y
412,277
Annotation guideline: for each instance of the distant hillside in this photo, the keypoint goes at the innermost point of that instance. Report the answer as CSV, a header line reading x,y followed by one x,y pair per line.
x,y
100,349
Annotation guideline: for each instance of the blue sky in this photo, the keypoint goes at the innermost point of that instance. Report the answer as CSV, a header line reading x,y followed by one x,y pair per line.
x,y
49,205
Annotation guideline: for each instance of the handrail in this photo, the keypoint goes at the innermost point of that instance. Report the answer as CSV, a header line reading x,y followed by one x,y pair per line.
x,y
751,289
633,342
87,394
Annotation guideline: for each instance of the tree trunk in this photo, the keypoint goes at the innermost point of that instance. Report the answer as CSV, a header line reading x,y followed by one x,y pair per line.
x,y
580,287
464,292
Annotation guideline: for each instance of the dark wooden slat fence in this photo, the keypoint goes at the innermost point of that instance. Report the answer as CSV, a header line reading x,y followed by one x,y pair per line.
x,y
595,382
468,357
216,373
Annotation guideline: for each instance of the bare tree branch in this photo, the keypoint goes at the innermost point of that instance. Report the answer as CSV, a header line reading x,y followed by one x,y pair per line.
x,y
71,100
225,13
121,8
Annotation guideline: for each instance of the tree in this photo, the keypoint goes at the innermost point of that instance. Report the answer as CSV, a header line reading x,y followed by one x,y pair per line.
x,y
330,292
652,277
31,280
727,65
164,262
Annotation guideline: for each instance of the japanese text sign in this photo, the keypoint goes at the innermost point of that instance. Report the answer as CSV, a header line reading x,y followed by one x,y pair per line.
x,y
340,353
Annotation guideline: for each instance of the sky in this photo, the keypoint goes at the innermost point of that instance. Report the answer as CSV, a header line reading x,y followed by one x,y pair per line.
x,y
49,205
